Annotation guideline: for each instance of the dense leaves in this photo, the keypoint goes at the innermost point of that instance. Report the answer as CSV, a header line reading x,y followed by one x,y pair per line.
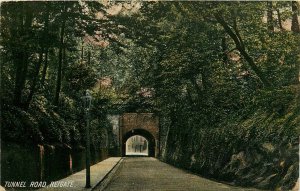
x,y
222,76
46,67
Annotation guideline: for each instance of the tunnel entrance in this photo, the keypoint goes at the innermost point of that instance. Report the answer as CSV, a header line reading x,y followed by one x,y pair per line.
x,y
136,146
144,143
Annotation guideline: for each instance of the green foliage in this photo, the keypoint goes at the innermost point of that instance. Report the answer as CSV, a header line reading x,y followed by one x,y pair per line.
x,y
238,148
47,68
221,75
222,81
276,101
19,125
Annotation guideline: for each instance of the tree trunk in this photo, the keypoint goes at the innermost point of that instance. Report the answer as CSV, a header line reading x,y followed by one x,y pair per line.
x,y
270,16
64,62
279,19
89,58
295,23
40,61
81,60
35,80
44,72
296,29
21,63
225,56
60,63
240,46
224,51
205,74
196,86
297,69
46,46
21,59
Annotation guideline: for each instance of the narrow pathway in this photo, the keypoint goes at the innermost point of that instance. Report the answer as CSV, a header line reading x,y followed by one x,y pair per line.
x,y
145,173
76,181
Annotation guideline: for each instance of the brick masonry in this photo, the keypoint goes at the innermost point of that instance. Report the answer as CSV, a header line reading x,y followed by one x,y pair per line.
x,y
129,122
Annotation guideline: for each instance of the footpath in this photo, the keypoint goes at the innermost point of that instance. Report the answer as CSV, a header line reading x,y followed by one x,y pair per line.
x,y
76,182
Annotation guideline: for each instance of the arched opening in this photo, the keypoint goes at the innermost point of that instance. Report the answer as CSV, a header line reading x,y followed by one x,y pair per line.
x,y
136,145
141,133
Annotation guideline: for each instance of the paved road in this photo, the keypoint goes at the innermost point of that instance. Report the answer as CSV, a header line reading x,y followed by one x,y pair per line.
x,y
145,173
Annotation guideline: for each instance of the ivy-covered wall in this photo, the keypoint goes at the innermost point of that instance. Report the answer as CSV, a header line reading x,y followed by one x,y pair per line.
x,y
257,148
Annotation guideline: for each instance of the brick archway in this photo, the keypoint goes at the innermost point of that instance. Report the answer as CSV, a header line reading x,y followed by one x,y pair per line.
x,y
148,136
144,124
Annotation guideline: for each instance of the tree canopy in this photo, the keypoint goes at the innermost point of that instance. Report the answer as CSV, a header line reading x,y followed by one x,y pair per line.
x,y
199,65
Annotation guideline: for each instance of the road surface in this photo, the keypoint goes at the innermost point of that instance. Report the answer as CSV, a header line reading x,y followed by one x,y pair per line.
x,y
146,173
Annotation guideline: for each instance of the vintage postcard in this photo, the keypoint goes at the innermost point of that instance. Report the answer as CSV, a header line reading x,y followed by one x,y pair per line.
x,y
150,95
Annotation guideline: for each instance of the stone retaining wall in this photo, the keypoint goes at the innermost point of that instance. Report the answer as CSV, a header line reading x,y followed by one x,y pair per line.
x,y
44,162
